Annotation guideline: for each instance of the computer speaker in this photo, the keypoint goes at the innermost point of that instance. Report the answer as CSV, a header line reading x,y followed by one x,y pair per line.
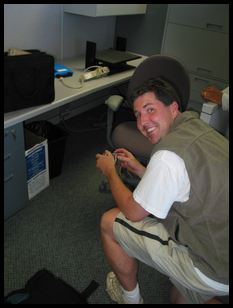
x,y
90,54
121,43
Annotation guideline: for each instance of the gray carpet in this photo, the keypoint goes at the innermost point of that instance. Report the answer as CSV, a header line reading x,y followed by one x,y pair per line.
x,y
59,229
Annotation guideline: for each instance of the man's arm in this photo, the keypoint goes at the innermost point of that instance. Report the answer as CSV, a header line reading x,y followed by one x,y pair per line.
x,y
121,194
124,198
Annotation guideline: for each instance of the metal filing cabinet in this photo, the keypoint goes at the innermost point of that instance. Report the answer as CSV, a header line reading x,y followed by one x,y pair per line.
x,y
198,36
15,184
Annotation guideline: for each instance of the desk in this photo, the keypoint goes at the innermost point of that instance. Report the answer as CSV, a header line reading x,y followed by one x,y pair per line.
x,y
15,183
65,95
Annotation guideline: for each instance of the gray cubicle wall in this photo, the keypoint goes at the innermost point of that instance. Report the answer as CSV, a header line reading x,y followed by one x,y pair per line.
x,y
144,33
46,27
78,29
33,26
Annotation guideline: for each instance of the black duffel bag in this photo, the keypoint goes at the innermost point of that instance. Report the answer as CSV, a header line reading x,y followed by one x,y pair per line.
x,y
28,80
46,288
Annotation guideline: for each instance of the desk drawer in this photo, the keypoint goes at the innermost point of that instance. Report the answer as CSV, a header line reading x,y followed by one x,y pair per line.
x,y
15,185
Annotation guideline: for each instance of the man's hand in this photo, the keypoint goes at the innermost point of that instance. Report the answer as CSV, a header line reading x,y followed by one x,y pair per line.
x,y
122,195
105,162
129,162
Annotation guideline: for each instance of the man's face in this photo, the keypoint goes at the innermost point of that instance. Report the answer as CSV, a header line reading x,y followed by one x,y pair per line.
x,y
154,119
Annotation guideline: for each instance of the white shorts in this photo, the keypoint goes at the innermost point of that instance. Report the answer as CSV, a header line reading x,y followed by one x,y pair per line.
x,y
149,242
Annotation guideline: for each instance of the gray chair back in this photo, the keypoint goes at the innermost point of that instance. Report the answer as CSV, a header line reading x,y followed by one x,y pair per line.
x,y
168,68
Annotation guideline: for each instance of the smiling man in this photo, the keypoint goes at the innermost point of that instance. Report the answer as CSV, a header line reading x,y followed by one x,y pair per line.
x,y
177,218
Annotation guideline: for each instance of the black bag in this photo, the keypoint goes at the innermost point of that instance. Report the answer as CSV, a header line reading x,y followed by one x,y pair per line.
x,y
45,288
28,80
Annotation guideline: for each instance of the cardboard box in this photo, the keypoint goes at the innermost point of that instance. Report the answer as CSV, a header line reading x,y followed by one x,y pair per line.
x,y
37,164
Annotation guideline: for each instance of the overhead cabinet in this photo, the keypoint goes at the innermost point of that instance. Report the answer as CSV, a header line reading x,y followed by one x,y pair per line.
x,y
95,10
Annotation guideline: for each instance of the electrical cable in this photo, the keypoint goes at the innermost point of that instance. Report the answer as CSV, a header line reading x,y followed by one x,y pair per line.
x,y
80,80
91,67
82,77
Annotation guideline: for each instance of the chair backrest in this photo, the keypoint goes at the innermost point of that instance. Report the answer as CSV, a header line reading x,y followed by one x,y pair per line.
x,y
163,66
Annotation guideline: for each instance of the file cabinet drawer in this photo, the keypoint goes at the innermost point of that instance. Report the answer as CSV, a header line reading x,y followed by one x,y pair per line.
x,y
15,185
212,17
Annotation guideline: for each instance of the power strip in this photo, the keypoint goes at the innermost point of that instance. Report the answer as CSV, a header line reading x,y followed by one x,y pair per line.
x,y
97,73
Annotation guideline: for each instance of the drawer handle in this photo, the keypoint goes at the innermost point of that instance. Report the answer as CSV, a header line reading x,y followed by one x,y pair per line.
x,y
8,178
7,156
213,26
13,132
200,79
205,70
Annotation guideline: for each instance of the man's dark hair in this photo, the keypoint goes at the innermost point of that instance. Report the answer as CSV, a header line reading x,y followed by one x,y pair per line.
x,y
163,90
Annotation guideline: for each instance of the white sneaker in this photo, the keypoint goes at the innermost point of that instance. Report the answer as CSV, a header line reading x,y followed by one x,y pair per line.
x,y
114,289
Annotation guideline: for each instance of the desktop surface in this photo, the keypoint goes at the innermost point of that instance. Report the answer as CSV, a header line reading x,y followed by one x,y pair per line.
x,y
65,95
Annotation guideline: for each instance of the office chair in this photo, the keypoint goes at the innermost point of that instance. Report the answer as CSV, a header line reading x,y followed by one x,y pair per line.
x,y
121,124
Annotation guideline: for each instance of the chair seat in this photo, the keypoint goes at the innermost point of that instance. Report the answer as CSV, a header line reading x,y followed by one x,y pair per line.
x,y
126,135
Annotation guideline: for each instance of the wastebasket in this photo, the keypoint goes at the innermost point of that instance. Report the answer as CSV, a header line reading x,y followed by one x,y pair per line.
x,y
57,138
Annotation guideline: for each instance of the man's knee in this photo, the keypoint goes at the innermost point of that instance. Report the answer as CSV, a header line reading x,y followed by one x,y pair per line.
x,y
107,220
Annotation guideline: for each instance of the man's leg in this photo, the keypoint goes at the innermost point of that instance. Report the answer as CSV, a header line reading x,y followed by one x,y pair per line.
x,y
123,265
176,297
179,295
166,258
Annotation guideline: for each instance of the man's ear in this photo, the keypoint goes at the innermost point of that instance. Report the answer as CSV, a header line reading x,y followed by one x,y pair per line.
x,y
174,107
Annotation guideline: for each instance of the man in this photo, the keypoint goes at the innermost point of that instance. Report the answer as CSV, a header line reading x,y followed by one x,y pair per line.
x,y
176,220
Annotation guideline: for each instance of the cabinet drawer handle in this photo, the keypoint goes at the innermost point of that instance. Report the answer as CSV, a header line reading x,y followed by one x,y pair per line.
x,y
7,156
213,26
200,79
13,132
8,178
205,70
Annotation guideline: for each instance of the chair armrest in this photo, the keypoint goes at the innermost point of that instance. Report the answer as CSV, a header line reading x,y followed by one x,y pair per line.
x,y
114,102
